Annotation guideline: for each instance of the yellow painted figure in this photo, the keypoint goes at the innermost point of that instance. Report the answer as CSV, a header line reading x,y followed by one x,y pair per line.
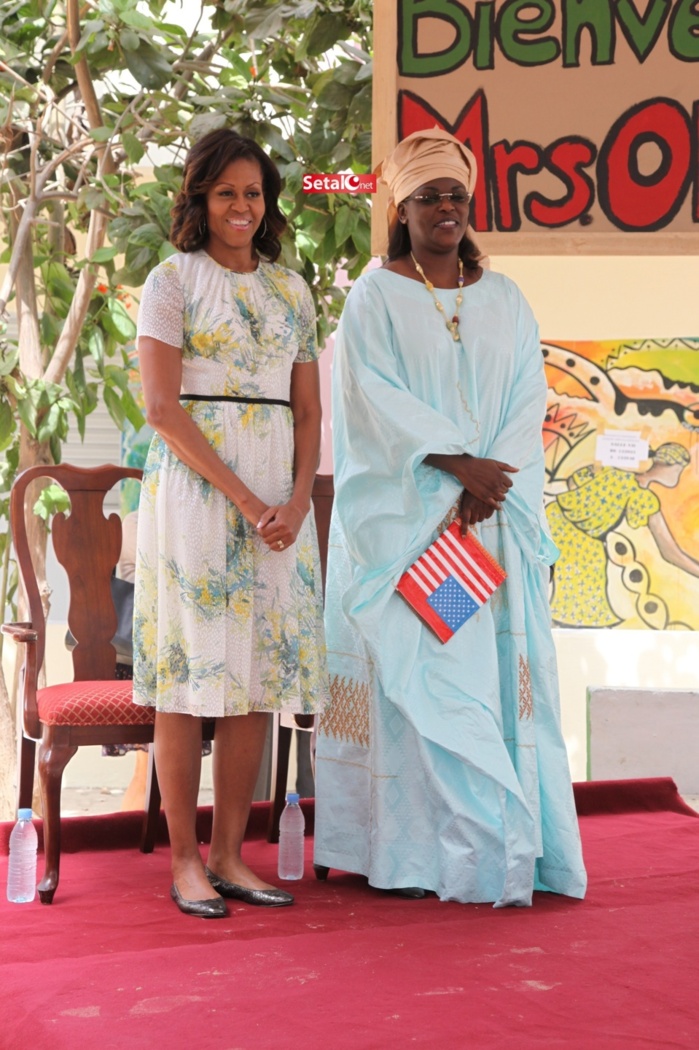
x,y
582,516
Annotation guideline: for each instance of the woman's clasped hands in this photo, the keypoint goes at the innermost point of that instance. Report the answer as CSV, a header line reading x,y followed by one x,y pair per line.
x,y
279,525
486,484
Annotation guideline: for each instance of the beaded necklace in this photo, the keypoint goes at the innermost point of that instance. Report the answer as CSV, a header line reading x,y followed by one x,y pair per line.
x,y
452,325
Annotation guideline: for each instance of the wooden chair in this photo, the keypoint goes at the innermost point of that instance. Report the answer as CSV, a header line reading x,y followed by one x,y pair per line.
x,y
323,493
94,708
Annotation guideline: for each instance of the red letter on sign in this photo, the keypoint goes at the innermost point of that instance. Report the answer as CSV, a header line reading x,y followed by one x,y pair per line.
x,y
565,158
630,198
507,161
470,127
695,201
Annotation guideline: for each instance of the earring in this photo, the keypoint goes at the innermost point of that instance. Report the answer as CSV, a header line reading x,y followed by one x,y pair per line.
x,y
263,233
202,227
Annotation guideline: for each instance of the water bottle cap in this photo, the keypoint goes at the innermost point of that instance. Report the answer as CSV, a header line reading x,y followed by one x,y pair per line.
x,y
292,797
25,814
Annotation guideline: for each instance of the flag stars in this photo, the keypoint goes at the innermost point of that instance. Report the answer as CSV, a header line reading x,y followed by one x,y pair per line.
x,y
452,603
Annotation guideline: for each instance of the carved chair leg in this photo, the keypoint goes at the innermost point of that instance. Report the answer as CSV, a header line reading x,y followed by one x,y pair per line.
x,y
54,756
279,779
25,786
152,814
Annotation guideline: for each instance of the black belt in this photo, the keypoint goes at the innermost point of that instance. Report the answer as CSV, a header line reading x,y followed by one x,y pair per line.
x,y
231,397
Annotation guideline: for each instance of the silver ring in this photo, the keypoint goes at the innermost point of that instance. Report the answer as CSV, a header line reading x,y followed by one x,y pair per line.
x,y
280,545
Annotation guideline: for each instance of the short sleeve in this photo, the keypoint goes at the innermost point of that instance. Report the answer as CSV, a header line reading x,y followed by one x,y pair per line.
x,y
307,340
642,506
161,313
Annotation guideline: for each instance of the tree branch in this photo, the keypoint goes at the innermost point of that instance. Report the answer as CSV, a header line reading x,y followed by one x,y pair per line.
x,y
87,88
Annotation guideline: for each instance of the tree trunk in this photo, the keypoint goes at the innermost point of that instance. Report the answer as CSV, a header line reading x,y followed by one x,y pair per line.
x,y
31,453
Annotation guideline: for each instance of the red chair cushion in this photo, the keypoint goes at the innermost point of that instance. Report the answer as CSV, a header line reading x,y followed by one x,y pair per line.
x,y
92,704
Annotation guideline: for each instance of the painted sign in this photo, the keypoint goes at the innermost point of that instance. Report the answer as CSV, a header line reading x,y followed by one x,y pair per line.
x,y
583,115
622,491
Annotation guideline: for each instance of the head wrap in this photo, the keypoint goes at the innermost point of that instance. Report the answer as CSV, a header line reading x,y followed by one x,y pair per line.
x,y
671,452
423,156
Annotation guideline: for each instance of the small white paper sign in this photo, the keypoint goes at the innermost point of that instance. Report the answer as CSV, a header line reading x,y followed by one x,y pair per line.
x,y
621,448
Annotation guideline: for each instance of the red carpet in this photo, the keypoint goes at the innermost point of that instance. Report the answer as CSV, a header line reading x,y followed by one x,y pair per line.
x,y
113,964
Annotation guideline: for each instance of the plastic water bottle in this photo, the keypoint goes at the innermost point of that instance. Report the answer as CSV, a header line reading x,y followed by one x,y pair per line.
x,y
21,871
291,828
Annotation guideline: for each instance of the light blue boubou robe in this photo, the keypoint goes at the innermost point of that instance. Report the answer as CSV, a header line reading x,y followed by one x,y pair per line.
x,y
441,766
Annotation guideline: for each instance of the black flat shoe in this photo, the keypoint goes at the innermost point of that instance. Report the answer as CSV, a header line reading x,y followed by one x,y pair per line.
x,y
410,893
215,908
266,898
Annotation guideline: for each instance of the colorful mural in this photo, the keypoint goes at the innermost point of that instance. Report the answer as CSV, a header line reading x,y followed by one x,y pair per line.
x,y
626,521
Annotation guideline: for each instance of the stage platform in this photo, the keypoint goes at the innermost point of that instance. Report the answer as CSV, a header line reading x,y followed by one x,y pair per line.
x,y
113,964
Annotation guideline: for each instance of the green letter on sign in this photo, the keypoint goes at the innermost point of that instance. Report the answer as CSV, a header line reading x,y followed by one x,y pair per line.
x,y
684,31
411,62
512,29
592,15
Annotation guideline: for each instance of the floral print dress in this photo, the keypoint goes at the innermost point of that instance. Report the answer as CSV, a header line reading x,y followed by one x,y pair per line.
x,y
222,624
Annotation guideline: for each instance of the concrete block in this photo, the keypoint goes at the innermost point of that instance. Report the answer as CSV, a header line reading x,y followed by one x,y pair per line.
x,y
644,733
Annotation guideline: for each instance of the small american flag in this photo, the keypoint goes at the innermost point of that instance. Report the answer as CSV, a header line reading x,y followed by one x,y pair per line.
x,y
449,583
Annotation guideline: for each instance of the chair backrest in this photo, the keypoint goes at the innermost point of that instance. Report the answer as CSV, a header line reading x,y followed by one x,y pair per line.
x,y
87,544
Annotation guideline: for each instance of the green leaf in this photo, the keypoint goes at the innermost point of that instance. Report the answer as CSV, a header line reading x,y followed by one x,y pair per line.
x,y
59,281
149,235
346,72
105,254
345,223
27,413
136,20
129,40
93,198
334,96
165,251
148,66
7,426
95,25
136,258
131,410
113,403
49,425
56,446
205,122
99,42
325,33
359,111
95,344
8,360
53,500
117,322
116,376
361,236
102,134
50,328
132,147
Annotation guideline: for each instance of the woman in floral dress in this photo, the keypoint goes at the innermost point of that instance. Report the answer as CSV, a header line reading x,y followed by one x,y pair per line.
x,y
228,606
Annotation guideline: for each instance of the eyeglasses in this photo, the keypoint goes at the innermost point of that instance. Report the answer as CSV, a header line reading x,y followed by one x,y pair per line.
x,y
430,199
